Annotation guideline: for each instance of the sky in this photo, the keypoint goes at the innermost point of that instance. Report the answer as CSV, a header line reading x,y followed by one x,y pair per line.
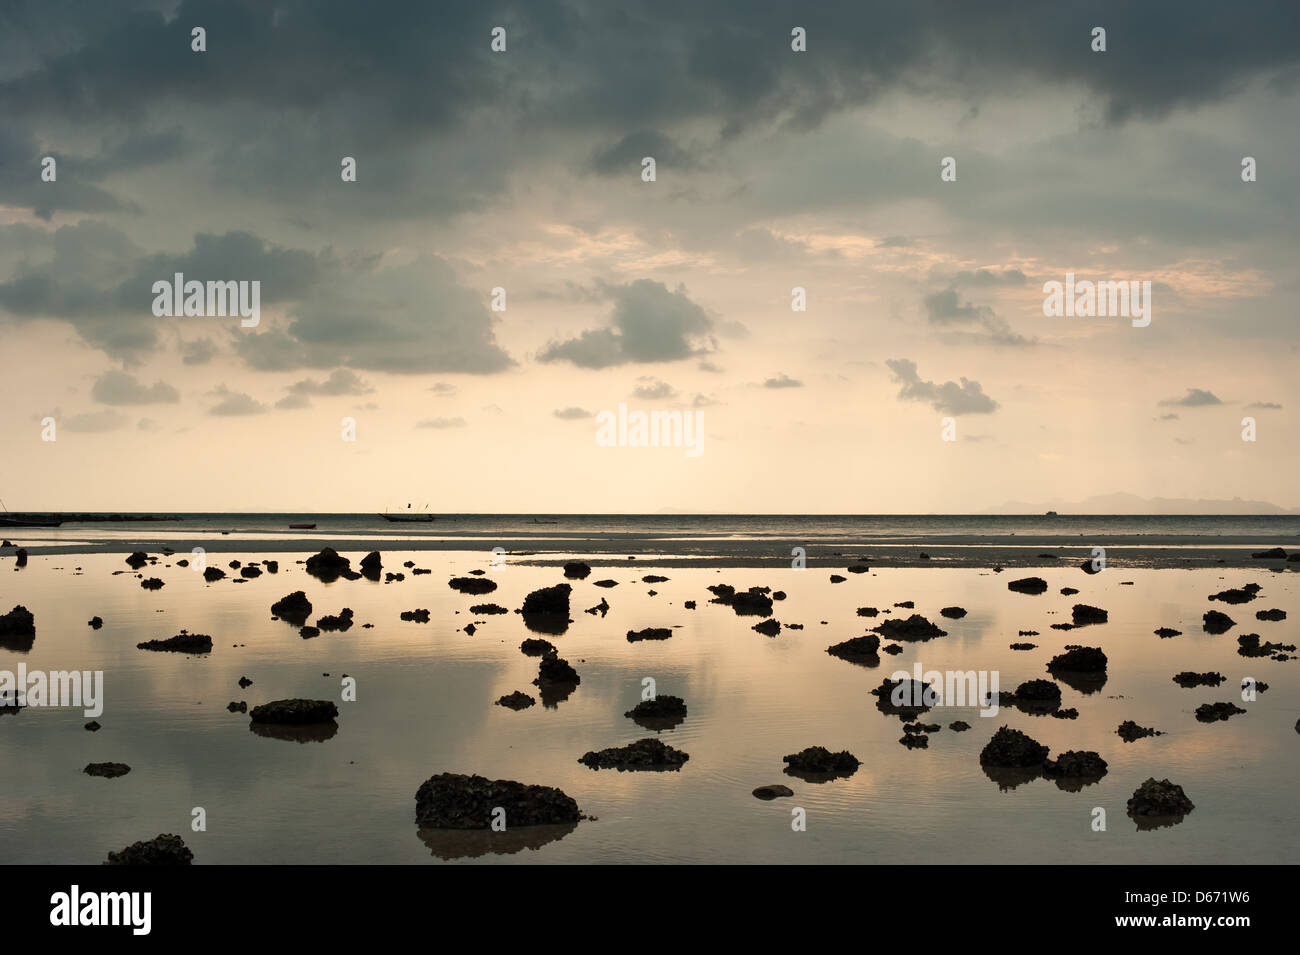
x,y
923,375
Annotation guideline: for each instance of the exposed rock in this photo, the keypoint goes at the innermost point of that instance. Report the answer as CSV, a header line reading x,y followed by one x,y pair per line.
x,y
250,572
1273,615
342,622
416,616
152,583
1076,763
488,609
1079,660
862,649
272,566
1274,553
107,770
547,610
1038,694
775,791
1069,591
211,574
516,701
1213,712
1028,585
137,560
240,707
1166,632
328,565
164,849
555,669
1082,615
17,629
858,568
183,642
1067,714
1129,731
906,604
915,627
837,579
661,707
245,682
1235,596
294,608
751,603
577,570
94,726
295,712
1161,798
953,613
959,726
602,608
1187,679
648,753
1215,622
868,612
1089,567
453,801
817,763
689,605
605,583
768,628
904,697
534,647
649,633
1013,749
472,585
915,741
1023,646
371,565
308,633
1248,645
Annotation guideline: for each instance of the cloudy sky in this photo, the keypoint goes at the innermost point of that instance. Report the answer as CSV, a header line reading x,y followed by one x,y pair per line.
x,y
522,170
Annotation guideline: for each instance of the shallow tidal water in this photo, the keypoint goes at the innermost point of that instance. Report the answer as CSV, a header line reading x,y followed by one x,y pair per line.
x,y
425,695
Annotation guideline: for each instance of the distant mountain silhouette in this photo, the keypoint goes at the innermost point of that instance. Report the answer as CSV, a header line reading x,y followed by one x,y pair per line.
x,y
1122,503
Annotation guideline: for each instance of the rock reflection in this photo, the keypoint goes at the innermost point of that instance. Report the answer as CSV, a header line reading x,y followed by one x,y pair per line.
x,y
473,843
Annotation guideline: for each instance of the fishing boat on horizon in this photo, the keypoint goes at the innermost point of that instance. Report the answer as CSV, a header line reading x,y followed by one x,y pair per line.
x,y
7,521
408,516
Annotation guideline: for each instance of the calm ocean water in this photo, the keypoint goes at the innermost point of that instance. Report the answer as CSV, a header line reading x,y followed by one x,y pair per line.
x,y
425,705
814,528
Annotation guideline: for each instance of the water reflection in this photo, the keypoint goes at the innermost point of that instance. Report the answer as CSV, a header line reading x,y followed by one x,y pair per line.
x,y
451,844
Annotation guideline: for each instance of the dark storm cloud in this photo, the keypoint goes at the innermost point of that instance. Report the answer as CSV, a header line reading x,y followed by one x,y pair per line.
x,y
782,381
408,319
396,73
648,323
945,308
1195,398
966,397
119,388
235,403
412,318
625,155
572,414
82,282
340,382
